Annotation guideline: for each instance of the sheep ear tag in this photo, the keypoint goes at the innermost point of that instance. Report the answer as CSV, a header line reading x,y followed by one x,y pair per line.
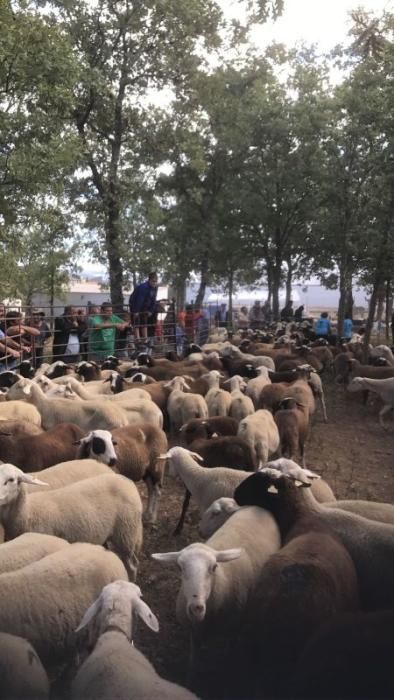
x,y
272,489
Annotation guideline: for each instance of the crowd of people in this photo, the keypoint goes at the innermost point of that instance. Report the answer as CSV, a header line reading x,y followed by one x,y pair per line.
x,y
96,332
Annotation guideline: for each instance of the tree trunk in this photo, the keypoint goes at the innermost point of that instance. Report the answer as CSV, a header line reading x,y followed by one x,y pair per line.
x,y
289,280
230,298
114,260
180,292
269,280
276,284
203,282
345,292
371,315
380,307
389,308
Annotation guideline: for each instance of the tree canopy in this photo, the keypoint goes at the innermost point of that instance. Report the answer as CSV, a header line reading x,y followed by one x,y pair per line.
x,y
144,132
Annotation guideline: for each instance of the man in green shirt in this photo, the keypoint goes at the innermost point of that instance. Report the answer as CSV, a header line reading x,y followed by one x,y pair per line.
x,y
102,332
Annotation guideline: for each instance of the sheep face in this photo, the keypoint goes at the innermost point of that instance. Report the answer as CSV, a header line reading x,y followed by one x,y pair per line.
x,y
8,378
118,603
198,564
98,445
217,514
110,362
58,369
265,489
116,382
11,479
26,369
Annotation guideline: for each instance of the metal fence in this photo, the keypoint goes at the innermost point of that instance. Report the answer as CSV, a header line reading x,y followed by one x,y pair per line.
x,y
41,335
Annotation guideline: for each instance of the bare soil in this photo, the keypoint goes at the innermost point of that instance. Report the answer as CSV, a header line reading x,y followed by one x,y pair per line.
x,y
353,454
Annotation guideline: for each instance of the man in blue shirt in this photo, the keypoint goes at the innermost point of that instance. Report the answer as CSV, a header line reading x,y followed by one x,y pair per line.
x,y
142,303
323,326
347,329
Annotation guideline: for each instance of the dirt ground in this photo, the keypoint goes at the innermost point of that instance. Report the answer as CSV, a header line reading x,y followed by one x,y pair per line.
x,y
351,452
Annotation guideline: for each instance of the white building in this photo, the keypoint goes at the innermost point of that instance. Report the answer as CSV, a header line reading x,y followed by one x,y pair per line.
x,y
80,294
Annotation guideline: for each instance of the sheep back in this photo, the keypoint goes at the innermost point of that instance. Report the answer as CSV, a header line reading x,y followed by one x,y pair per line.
x,y
45,601
28,548
21,671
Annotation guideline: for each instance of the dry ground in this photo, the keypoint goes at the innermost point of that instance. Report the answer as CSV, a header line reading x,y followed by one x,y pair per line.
x,y
351,452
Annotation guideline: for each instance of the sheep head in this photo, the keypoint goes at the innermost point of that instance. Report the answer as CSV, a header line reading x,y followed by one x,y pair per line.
x,y
115,607
11,480
198,563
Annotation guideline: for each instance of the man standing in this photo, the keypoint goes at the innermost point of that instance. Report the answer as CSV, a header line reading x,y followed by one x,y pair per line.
x,y
67,337
142,303
102,332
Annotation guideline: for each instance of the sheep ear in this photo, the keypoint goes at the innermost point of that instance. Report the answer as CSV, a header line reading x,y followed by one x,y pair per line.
x,y
142,435
89,614
214,435
27,389
77,442
166,557
272,489
28,479
107,380
196,456
145,613
228,554
302,484
166,455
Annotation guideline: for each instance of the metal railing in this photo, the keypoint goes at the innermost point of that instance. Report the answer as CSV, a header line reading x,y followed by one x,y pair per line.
x,y
52,343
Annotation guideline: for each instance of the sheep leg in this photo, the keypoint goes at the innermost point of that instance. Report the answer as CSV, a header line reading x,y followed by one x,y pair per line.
x,y
365,397
154,493
386,409
131,566
323,407
185,506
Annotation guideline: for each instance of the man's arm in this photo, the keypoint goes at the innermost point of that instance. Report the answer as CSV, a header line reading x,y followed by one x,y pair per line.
x,y
18,330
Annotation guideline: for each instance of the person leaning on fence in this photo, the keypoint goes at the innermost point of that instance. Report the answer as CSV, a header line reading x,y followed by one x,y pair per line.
x,y
37,320
142,304
103,332
20,332
10,352
68,333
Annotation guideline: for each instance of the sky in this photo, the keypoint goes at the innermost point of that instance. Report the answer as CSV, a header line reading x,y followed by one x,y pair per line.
x,y
322,22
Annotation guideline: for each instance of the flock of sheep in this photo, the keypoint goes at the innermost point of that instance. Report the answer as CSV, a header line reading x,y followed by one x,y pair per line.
x,y
289,593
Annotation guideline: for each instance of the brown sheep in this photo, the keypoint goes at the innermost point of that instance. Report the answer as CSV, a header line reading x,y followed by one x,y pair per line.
x,y
207,427
293,423
35,452
132,451
310,580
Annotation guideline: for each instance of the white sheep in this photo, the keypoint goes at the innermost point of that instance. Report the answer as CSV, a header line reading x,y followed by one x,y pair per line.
x,y
212,598
218,400
382,351
66,473
89,415
291,469
20,411
27,548
241,405
316,385
183,407
83,391
22,674
383,387
254,387
261,433
115,668
105,509
205,485
45,601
